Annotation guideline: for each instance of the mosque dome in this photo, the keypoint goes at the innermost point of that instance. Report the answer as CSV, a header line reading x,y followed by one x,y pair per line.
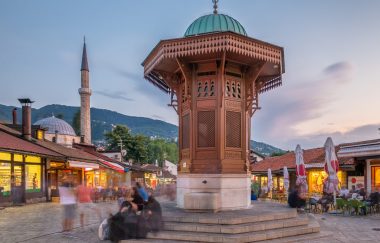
x,y
215,23
53,124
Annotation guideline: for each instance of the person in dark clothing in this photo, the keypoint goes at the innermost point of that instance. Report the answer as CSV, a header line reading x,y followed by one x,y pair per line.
x,y
137,199
325,201
295,200
153,214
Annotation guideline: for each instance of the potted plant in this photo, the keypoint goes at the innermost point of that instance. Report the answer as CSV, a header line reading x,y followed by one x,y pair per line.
x,y
254,190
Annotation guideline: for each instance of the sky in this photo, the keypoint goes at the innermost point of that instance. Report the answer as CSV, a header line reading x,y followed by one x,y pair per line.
x,y
331,86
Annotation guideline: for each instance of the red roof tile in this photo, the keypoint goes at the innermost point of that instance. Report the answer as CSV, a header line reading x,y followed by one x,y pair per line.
x,y
316,155
18,144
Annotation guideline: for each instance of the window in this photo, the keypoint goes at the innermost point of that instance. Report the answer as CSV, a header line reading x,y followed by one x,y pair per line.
x,y
5,179
33,178
375,180
17,157
32,159
5,156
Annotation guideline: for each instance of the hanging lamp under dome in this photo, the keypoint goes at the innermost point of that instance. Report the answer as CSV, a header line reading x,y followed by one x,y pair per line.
x,y
215,23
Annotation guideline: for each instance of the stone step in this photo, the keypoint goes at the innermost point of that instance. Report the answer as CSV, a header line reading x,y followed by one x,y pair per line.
x,y
231,219
323,236
236,228
173,236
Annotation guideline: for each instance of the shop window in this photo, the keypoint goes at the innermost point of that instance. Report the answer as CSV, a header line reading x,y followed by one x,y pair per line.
x,y
32,159
17,157
317,177
5,156
375,174
33,178
5,179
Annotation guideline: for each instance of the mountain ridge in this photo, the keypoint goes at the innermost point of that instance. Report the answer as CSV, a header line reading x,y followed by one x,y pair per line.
x,y
103,120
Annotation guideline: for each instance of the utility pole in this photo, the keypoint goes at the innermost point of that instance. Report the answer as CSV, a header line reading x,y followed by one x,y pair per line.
x,y
121,149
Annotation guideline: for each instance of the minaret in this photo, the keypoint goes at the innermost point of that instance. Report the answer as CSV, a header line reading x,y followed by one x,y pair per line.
x,y
85,93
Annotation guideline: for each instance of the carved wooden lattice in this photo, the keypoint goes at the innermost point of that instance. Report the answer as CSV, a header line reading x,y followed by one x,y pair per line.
x,y
205,88
233,89
213,43
206,128
233,129
186,131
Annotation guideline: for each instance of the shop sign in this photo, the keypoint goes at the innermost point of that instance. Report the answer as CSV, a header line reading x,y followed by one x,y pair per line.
x,y
355,181
78,164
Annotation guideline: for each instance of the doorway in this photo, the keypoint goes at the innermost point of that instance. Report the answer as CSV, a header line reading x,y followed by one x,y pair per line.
x,y
18,187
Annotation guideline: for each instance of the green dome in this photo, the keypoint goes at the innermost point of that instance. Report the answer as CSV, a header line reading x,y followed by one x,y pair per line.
x,y
214,23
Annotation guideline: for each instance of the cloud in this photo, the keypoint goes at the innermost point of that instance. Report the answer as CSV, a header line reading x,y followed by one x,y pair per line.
x,y
339,72
360,133
141,85
158,117
118,95
295,103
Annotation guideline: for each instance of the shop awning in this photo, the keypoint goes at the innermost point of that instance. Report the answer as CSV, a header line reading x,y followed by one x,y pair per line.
x,y
113,166
78,164
314,165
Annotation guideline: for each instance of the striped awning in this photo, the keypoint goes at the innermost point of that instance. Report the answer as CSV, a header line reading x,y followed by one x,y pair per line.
x,y
113,166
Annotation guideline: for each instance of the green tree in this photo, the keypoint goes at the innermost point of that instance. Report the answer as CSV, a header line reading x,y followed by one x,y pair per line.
x,y
76,122
274,154
60,116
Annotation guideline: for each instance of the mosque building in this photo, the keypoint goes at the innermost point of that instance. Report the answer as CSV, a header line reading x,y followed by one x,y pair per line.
x,y
61,132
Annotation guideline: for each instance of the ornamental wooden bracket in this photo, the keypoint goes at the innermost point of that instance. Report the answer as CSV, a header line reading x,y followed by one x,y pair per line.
x,y
174,100
172,80
186,73
252,97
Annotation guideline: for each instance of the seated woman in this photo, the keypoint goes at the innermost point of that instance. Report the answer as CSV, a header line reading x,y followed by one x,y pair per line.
x,y
325,201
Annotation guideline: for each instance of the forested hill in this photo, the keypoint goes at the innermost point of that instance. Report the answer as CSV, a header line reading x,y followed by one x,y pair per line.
x,y
103,120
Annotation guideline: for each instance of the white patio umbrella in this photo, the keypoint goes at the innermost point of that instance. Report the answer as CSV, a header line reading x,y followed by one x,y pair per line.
x,y
270,181
331,168
286,180
300,170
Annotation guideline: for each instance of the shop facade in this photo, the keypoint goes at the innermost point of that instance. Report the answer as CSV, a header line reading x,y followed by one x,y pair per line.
x,y
21,177
314,164
367,161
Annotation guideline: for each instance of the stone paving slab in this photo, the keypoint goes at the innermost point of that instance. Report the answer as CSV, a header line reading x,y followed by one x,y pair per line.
x,y
42,223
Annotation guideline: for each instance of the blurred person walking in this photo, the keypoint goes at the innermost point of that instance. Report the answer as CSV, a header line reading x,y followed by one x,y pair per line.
x,y
68,200
142,192
85,203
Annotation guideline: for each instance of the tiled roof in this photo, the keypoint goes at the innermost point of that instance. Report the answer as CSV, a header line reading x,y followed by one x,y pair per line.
x,y
71,153
151,167
91,149
167,174
13,143
366,142
314,156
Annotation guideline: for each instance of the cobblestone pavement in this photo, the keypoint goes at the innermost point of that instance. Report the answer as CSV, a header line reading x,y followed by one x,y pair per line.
x,y
42,223
348,228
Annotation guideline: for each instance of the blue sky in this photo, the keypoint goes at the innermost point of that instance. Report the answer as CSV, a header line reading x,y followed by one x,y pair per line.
x,y
330,88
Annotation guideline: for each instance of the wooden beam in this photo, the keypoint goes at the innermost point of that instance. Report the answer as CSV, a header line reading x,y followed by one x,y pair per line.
x,y
222,68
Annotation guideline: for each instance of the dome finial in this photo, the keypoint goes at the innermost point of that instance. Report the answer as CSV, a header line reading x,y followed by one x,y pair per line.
x,y
215,6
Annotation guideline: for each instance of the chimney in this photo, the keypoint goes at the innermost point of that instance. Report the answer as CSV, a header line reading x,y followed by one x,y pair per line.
x,y
56,136
14,116
26,118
